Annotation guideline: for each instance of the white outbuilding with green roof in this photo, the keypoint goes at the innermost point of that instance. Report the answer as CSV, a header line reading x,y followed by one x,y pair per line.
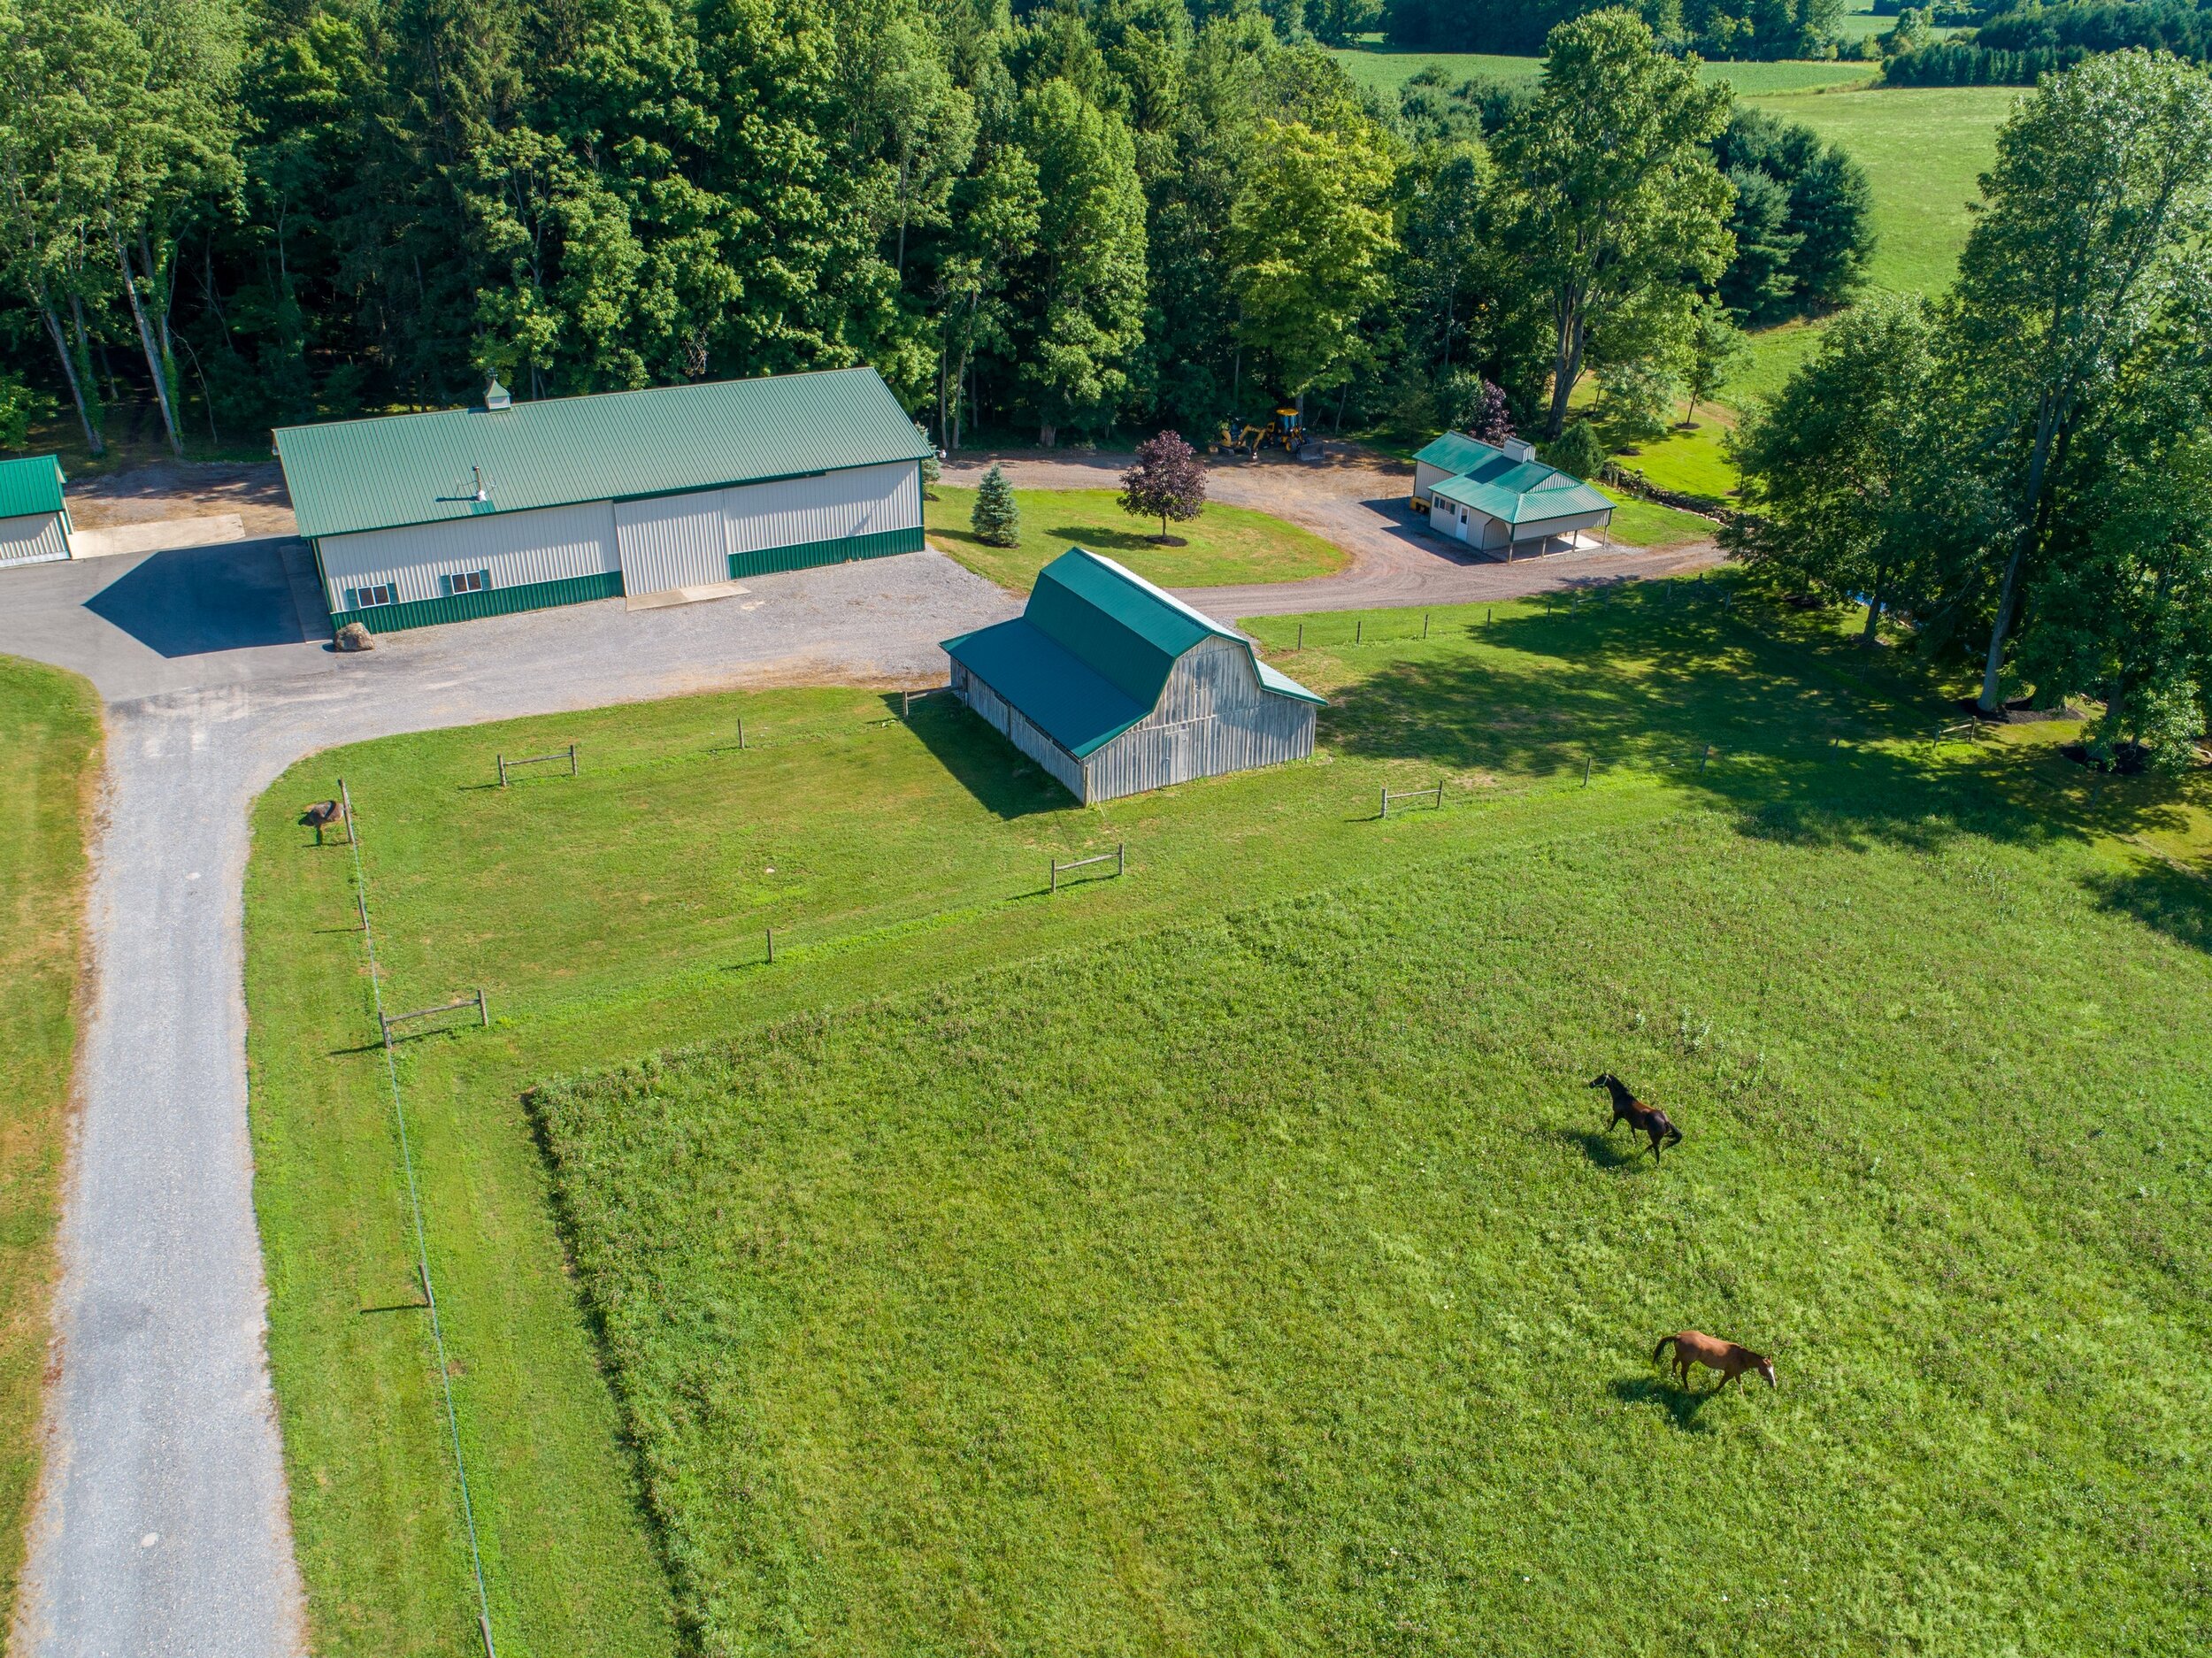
x,y
34,519
516,506
1503,500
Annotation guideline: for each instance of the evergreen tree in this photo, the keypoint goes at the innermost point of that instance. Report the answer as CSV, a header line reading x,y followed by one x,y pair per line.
x,y
995,518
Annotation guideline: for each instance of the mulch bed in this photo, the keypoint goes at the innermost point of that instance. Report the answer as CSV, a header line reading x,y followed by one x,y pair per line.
x,y
2128,760
2017,712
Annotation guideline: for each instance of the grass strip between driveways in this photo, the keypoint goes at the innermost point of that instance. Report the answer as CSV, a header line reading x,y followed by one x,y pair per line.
x,y
1224,546
50,767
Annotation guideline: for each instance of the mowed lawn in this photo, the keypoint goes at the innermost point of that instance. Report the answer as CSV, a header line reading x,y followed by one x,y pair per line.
x,y
1222,547
50,763
624,912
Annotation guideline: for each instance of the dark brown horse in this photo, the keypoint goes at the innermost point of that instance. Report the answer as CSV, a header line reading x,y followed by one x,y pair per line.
x,y
322,815
1648,1120
1693,1346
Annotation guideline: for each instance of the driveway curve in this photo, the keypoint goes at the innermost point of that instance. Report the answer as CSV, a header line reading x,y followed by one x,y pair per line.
x,y
1358,500
162,1523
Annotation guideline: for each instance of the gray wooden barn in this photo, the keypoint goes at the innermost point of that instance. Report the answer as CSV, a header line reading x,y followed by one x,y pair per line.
x,y
1115,687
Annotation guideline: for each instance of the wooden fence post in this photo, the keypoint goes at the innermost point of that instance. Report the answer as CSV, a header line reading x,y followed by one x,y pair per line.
x,y
1359,630
571,759
1585,770
483,1014
1301,636
502,771
771,947
741,734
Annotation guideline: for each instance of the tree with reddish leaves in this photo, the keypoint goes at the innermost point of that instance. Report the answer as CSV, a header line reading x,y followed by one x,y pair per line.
x,y
1168,481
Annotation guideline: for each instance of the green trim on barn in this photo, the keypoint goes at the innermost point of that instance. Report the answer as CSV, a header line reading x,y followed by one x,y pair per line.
x,y
813,554
467,607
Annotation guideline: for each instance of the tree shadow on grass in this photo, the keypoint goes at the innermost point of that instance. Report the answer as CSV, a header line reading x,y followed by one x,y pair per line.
x,y
2176,902
1770,714
1005,782
1682,1405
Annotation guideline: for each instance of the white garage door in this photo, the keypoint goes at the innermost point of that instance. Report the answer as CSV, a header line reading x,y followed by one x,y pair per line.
x,y
674,542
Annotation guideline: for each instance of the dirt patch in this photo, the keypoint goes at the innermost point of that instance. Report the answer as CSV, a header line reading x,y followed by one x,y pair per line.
x,y
184,489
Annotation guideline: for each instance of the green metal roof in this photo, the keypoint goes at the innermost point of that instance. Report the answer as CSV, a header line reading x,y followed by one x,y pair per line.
x,y
30,484
1089,657
1456,452
376,474
1523,492
1514,492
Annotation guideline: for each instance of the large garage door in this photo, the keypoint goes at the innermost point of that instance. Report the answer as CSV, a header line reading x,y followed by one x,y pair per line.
x,y
674,542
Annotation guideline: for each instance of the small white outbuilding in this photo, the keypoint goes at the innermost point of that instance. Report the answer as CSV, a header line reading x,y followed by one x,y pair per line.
x,y
33,520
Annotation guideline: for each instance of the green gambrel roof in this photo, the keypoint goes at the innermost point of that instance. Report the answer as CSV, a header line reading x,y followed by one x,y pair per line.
x,y
30,484
376,474
1514,492
1089,657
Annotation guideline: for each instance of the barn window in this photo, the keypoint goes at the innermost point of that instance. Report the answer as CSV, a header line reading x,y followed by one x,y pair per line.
x,y
468,581
369,598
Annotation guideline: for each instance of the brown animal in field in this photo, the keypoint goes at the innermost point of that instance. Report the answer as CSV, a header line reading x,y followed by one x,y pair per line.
x,y
1648,1120
321,815
1692,1347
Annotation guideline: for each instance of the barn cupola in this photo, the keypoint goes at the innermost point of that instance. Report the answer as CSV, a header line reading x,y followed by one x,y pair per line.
x,y
497,396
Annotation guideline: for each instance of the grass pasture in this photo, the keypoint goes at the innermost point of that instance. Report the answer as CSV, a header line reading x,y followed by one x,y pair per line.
x,y
1063,1448
1385,68
50,763
1222,547
1267,1284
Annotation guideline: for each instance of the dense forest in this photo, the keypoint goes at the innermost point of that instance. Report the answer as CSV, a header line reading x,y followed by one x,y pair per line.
x,y
2018,46
231,214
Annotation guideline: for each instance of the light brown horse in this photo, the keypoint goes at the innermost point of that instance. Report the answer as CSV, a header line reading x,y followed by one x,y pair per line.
x,y
1648,1120
1693,1346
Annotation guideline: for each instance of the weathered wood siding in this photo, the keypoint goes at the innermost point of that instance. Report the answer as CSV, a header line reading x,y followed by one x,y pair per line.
x,y
1011,724
1213,716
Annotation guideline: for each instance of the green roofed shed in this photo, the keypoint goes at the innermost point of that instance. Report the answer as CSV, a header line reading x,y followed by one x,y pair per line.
x,y
1115,685
1501,498
34,519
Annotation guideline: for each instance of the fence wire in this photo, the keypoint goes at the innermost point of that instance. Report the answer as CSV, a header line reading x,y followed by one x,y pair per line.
x,y
422,1247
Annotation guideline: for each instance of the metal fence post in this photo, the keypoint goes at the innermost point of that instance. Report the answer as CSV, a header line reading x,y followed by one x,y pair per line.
x,y
771,947
1055,863
1301,635
740,735
1585,770
1425,624
1359,630
1119,850
571,759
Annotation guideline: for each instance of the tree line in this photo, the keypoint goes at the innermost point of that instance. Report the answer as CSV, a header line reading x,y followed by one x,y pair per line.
x,y
240,213
1753,29
2019,45
2022,470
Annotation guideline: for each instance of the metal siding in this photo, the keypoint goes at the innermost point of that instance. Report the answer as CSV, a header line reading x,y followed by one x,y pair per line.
x,y
674,542
34,538
1425,478
1009,722
518,548
1213,717
814,555
1538,529
836,506
468,607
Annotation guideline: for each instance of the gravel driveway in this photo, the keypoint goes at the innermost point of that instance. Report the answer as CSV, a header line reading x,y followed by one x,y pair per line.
x,y
1358,500
162,1525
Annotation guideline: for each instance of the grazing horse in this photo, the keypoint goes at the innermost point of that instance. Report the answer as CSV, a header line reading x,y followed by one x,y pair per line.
x,y
1648,1120
321,815
1692,1347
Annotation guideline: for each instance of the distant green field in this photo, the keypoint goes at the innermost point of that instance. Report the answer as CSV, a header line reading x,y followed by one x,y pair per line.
x,y
1384,68
1923,149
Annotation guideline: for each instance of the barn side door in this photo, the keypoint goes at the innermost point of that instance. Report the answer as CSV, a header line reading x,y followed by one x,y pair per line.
x,y
673,542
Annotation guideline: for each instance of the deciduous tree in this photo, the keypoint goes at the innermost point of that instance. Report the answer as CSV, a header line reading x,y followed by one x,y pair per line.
x,y
1168,481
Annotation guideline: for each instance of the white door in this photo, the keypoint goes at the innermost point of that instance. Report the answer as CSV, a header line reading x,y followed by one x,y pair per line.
x,y
672,542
